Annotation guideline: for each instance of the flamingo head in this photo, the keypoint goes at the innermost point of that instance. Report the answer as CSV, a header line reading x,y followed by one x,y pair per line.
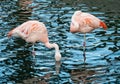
x,y
74,27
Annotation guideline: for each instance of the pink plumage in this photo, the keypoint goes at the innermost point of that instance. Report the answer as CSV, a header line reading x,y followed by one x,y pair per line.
x,y
85,23
31,31
34,31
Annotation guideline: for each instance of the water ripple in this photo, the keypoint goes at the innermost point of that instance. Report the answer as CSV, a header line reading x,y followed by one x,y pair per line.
x,y
17,65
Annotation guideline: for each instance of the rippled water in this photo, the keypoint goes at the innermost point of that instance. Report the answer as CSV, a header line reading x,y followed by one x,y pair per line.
x,y
103,47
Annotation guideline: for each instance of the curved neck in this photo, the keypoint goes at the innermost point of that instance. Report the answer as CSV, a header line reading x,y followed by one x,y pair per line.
x,y
57,51
52,45
75,23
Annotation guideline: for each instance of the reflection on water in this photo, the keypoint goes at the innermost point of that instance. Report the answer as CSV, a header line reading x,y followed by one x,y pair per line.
x,y
82,76
57,67
24,11
103,47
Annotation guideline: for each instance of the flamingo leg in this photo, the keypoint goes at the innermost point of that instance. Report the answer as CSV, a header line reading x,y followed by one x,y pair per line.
x,y
84,48
33,54
33,50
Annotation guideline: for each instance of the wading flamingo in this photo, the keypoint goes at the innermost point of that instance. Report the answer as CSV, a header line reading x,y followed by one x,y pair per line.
x,y
85,23
34,31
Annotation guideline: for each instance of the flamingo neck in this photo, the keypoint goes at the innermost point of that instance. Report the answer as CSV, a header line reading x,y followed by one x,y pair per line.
x,y
74,22
74,27
57,51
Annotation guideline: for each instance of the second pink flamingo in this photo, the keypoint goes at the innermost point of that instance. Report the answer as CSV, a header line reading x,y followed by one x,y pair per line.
x,y
85,23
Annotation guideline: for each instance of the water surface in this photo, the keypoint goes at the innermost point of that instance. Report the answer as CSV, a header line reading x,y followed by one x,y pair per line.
x,y
103,47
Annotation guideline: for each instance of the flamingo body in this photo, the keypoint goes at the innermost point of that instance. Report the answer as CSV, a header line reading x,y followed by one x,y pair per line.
x,y
34,31
31,31
85,22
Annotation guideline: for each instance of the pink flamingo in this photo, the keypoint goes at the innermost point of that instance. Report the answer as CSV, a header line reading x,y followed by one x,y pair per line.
x,y
34,31
85,23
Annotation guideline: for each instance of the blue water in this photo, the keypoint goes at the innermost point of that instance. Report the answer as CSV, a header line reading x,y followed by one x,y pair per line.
x,y
102,66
